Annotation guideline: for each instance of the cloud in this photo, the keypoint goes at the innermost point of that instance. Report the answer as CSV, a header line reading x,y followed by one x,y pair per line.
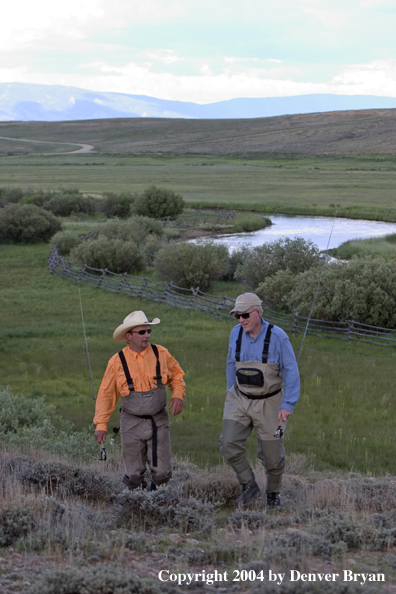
x,y
165,56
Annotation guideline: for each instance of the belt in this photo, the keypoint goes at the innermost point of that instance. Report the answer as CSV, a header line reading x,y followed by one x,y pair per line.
x,y
259,397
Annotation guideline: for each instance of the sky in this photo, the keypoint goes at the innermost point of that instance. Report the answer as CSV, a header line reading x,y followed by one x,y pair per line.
x,y
203,50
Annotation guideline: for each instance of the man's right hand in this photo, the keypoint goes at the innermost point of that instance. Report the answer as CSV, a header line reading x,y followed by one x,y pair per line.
x,y
100,436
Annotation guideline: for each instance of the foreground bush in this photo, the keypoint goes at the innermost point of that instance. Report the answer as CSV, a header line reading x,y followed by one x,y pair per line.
x,y
159,203
27,223
295,255
27,422
190,265
106,579
364,291
114,254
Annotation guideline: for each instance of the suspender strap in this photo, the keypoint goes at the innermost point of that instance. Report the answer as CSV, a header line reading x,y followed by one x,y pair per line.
x,y
154,446
265,348
238,345
126,371
266,343
158,377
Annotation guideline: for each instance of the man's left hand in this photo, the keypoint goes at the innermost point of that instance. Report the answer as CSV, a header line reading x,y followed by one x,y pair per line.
x,y
176,404
283,415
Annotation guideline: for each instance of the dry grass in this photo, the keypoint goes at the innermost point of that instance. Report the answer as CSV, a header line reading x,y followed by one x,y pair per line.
x,y
80,520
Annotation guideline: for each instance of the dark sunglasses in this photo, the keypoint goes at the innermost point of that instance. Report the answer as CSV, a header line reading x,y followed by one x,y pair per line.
x,y
245,316
142,332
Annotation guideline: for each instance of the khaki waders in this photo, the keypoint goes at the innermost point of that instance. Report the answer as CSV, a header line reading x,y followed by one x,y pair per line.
x,y
253,402
144,429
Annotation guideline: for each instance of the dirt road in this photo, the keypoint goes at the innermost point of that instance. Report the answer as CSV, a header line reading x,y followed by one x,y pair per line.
x,y
85,148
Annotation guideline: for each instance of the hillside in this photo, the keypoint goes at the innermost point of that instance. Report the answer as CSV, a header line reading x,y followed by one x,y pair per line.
x,y
334,133
56,103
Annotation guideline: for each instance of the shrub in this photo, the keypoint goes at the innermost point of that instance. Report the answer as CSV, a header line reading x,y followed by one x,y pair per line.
x,y
24,422
190,265
361,290
15,521
275,290
159,203
165,506
26,223
11,195
136,229
114,254
104,579
63,205
65,241
117,205
295,255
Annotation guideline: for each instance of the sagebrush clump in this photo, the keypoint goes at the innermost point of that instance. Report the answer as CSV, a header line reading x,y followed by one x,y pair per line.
x,y
27,223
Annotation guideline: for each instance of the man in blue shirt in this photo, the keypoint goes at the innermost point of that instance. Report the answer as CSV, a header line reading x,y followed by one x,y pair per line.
x,y
263,386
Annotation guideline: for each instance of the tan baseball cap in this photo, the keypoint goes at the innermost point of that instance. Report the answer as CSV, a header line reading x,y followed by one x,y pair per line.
x,y
245,302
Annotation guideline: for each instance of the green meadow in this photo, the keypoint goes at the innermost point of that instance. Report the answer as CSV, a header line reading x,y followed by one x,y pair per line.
x,y
344,420
355,187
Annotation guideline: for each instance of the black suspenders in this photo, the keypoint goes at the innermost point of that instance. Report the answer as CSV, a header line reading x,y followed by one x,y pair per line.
x,y
157,378
265,347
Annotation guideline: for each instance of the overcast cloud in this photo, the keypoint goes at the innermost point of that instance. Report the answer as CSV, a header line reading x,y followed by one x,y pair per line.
x,y
203,51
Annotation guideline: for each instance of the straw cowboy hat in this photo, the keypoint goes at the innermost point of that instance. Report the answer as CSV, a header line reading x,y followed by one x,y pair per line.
x,y
136,318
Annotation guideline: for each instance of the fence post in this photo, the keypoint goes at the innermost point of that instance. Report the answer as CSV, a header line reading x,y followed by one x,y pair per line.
x,y
350,329
295,322
121,283
165,294
194,294
219,309
142,287
104,272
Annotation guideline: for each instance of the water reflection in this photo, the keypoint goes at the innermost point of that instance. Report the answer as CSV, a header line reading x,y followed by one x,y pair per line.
x,y
316,229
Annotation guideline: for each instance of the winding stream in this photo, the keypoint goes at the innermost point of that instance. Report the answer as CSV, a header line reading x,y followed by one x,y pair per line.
x,y
316,229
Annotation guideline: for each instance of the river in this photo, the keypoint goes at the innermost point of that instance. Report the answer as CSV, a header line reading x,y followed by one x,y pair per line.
x,y
325,232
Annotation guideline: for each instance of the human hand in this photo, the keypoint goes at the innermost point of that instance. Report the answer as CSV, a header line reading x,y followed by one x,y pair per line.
x,y
176,404
100,436
283,415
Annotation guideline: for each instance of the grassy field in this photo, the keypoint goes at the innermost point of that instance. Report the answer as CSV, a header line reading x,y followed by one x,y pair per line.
x,y
43,353
351,187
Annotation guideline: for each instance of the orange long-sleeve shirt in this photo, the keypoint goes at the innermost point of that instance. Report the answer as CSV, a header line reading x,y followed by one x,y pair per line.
x,y
142,367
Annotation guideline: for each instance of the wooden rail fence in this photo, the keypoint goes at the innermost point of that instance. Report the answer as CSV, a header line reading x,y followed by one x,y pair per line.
x,y
218,307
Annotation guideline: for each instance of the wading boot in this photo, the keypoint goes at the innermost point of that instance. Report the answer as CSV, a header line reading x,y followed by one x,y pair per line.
x,y
274,500
248,495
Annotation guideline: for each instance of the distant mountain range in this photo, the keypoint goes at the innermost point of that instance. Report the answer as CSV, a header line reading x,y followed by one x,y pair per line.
x,y
54,103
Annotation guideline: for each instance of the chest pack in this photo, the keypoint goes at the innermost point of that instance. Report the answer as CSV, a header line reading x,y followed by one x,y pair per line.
x,y
257,379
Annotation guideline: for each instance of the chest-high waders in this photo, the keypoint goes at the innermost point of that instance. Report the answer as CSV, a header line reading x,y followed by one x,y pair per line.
x,y
253,402
144,429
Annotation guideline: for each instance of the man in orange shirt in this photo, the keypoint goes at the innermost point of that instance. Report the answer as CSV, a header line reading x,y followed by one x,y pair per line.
x,y
139,372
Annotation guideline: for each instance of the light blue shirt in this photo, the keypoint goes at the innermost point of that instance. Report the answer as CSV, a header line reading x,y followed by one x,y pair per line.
x,y
280,351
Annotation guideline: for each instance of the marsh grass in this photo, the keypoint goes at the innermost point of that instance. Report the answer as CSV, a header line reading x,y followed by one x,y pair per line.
x,y
375,247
